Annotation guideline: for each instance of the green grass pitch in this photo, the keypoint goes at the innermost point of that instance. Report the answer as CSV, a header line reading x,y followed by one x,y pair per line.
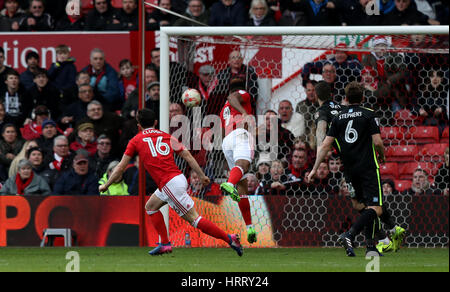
x,y
135,259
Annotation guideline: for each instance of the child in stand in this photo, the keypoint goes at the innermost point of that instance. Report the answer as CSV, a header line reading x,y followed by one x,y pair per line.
x,y
128,78
62,74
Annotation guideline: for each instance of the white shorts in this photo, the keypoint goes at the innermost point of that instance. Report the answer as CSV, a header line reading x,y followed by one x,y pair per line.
x,y
175,194
238,145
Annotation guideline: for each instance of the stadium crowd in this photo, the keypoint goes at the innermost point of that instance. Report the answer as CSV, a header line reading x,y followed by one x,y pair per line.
x,y
63,130
101,15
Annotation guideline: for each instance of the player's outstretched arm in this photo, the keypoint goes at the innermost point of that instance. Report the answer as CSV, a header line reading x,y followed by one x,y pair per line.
x,y
187,156
117,172
322,152
379,146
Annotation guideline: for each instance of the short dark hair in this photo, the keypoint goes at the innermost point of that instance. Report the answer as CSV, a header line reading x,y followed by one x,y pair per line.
x,y
237,84
323,91
354,92
146,117
31,54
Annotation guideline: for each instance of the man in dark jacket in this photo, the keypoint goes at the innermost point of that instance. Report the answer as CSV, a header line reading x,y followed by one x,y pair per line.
x,y
228,13
102,16
36,19
79,180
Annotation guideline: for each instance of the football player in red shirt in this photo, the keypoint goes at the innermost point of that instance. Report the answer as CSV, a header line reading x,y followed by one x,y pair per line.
x,y
156,148
238,149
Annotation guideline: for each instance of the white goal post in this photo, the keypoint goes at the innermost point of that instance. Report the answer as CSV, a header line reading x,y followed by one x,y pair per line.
x,y
166,32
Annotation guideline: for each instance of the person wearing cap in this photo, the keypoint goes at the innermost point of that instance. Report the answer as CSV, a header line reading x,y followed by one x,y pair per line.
x,y
263,165
79,179
205,85
33,127
42,92
85,139
152,98
117,188
49,132
25,182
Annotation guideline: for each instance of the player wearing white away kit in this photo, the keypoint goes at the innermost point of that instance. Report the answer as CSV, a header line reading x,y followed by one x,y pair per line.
x,y
155,148
238,149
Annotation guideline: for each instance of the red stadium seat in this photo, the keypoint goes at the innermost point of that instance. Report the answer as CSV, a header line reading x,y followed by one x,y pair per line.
x,y
116,3
444,137
401,153
424,134
391,135
389,170
407,169
404,118
402,185
432,152
87,5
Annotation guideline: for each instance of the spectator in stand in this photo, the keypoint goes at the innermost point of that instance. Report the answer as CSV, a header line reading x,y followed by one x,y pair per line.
x,y
260,14
263,165
43,93
274,183
128,78
434,9
321,181
46,139
406,13
285,138
317,12
155,56
59,160
3,70
388,186
63,72
160,18
375,59
26,182
78,180
74,22
337,71
228,13
105,122
303,144
195,10
35,156
432,100
4,117
252,184
102,17
128,16
152,98
77,110
354,12
441,178
21,155
36,19
293,121
131,105
420,184
131,177
70,94
27,76
104,79
85,139
196,188
298,165
308,107
32,128
119,187
335,168
10,145
16,106
205,85
235,69
103,156
11,15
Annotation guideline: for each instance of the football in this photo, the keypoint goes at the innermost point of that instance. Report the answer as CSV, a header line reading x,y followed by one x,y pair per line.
x,y
191,97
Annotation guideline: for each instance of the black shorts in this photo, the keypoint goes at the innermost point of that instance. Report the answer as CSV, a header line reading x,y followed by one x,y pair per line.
x,y
367,186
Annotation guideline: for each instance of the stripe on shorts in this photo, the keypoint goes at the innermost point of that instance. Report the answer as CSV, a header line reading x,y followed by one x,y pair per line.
x,y
174,200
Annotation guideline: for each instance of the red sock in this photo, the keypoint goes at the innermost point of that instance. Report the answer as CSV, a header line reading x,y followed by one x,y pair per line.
x,y
210,228
244,206
236,173
157,220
